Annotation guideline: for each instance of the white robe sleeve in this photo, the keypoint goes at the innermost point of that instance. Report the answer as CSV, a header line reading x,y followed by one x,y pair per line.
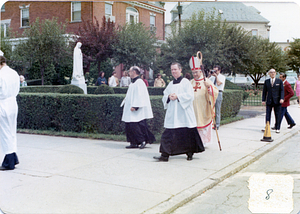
x,y
187,96
166,95
141,95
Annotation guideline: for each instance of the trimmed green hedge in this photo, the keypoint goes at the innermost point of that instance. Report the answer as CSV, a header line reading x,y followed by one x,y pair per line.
x,y
80,113
70,89
90,89
95,113
231,103
41,89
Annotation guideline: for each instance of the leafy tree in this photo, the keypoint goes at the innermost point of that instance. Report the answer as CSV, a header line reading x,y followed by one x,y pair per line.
x,y
5,45
97,41
227,45
43,49
204,32
294,55
262,56
136,46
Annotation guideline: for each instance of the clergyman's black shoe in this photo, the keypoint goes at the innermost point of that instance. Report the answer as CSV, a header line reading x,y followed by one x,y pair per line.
x,y
291,126
161,158
273,128
132,146
143,145
189,158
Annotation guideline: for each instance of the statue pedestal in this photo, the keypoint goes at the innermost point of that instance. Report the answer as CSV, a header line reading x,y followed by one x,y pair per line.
x,y
80,83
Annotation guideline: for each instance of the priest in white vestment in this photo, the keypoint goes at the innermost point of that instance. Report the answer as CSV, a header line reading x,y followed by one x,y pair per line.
x,y
137,108
205,95
180,135
9,89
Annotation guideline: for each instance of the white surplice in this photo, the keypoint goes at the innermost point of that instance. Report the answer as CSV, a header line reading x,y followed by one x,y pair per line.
x,y
180,112
137,96
9,89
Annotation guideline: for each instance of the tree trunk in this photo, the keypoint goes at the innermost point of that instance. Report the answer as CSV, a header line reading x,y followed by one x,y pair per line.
x,y
99,64
42,74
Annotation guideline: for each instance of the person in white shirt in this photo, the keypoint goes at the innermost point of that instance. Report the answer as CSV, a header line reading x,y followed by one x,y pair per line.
x,y
9,89
125,80
22,81
219,81
180,135
112,80
137,108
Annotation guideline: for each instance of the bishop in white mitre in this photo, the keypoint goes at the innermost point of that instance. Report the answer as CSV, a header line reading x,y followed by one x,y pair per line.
x,y
205,95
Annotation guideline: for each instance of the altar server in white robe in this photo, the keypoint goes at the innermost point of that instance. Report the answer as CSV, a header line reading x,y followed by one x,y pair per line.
x,y
180,135
9,89
137,108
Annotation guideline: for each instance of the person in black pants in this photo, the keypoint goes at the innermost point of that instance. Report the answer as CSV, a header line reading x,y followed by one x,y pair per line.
x,y
273,97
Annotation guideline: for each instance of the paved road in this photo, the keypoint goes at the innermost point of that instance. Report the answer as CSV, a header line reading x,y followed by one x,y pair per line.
x,y
61,175
231,196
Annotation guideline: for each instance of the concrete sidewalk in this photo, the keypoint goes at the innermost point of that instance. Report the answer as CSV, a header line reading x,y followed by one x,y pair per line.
x,y
72,175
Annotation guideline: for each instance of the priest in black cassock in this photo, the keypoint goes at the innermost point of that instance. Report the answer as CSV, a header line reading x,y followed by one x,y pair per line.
x,y
137,108
180,135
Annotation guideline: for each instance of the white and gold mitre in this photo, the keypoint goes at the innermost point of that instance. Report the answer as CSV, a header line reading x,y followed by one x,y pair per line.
x,y
196,62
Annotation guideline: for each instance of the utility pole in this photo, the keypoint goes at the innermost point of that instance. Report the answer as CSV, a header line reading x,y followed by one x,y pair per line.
x,y
179,10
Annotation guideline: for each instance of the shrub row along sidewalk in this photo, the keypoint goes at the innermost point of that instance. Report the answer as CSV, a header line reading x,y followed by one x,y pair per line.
x,y
94,113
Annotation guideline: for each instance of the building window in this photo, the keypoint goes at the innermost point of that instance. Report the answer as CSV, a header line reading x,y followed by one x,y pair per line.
x,y
152,20
25,17
254,32
4,27
76,11
108,9
152,23
3,8
132,15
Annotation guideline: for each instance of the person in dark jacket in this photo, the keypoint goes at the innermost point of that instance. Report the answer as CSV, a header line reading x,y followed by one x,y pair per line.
x,y
272,97
288,93
101,79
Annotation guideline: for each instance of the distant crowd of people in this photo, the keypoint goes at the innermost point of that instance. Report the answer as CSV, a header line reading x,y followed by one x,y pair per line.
x,y
125,81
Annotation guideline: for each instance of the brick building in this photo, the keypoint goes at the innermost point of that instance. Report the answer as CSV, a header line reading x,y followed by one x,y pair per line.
x,y
17,15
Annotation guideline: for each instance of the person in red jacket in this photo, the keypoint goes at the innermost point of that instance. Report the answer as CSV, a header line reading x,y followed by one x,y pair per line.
x,y
288,93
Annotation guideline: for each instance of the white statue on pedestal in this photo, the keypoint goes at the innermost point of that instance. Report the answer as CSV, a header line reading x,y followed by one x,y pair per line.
x,y
77,77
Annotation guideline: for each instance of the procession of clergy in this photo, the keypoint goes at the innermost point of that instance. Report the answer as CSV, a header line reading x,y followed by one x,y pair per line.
x,y
188,119
189,112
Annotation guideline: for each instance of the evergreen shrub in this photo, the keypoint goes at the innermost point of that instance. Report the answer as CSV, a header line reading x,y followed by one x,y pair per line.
x,y
90,89
104,89
95,113
41,89
231,104
70,89
80,113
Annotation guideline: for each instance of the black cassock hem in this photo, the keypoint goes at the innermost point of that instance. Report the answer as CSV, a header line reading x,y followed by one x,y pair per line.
x,y
10,160
181,141
138,132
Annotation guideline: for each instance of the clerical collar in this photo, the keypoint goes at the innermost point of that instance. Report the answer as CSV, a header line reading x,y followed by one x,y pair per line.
x,y
200,79
178,80
135,79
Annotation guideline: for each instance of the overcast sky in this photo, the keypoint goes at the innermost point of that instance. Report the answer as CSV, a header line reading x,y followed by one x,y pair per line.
x,y
284,16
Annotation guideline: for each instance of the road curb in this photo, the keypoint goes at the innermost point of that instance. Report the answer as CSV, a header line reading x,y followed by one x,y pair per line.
x,y
178,200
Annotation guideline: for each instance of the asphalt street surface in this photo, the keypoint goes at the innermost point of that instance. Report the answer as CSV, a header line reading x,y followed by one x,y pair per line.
x,y
231,196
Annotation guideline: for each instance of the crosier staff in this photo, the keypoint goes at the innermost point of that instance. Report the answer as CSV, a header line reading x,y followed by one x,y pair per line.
x,y
212,110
